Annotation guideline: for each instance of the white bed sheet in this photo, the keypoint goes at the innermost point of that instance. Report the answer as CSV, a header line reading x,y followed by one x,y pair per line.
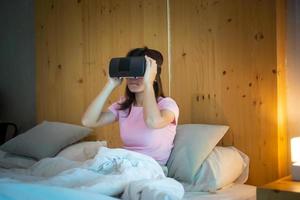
x,y
10,190
234,192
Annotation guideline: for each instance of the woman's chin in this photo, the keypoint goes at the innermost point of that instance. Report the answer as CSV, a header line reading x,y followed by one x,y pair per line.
x,y
135,89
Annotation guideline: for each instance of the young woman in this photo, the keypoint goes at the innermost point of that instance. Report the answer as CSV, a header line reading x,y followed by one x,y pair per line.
x,y
147,118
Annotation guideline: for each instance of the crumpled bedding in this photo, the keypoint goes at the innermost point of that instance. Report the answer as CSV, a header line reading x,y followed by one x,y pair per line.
x,y
113,172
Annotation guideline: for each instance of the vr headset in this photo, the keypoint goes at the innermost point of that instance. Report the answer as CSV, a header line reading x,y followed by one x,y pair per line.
x,y
128,67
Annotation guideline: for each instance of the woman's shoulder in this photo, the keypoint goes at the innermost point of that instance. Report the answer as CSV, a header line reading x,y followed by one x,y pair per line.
x,y
166,100
169,104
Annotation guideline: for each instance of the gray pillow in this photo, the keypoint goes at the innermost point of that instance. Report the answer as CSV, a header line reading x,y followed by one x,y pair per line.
x,y
8,160
193,143
45,139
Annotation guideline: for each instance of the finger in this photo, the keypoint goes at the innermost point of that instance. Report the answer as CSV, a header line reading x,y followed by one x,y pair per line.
x,y
153,62
147,58
148,61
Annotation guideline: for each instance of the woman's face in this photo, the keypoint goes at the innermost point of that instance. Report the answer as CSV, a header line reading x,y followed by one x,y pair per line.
x,y
135,85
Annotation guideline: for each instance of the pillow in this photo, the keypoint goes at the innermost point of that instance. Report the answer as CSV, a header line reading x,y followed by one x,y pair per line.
x,y
81,151
45,139
193,143
8,161
223,166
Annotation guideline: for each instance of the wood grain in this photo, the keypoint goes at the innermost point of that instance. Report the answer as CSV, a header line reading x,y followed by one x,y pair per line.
x,y
224,72
75,41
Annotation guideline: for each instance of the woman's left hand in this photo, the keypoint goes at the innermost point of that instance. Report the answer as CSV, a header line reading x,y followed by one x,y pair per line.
x,y
151,70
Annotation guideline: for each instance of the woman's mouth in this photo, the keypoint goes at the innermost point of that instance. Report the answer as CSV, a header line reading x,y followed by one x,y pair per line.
x,y
133,84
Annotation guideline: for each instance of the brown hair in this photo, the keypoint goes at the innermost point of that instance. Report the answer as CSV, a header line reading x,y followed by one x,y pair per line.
x,y
157,85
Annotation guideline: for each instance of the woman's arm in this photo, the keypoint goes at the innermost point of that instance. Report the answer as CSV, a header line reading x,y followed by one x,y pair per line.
x,y
94,117
154,118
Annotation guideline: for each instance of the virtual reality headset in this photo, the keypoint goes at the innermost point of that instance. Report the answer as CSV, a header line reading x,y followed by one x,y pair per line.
x,y
128,67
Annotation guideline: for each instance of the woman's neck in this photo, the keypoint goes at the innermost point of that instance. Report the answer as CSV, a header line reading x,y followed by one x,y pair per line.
x,y
139,97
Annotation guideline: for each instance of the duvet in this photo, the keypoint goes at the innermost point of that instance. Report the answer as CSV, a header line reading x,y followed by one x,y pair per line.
x,y
112,172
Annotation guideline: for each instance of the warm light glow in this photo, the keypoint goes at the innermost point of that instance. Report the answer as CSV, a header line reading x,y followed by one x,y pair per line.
x,y
295,144
296,164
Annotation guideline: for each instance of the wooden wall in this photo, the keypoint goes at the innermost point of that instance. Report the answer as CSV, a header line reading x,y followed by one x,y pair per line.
x,y
224,70
223,66
75,41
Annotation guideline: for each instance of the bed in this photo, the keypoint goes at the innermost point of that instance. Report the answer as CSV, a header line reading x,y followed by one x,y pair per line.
x,y
234,192
51,162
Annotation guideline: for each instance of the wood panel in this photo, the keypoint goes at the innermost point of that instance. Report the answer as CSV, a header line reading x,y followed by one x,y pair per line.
x,y
224,72
283,142
75,40
59,70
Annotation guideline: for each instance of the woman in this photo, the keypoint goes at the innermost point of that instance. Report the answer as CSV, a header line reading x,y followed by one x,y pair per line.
x,y
147,119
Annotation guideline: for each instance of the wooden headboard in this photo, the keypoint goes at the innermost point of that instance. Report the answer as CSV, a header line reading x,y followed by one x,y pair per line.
x,y
223,65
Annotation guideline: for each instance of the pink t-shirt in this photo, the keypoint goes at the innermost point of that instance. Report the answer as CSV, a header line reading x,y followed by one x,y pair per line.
x,y
136,136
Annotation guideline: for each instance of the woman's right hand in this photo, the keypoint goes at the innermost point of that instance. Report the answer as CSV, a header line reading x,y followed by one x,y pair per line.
x,y
115,82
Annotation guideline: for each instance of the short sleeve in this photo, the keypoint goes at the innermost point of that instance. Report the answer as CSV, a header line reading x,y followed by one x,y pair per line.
x,y
114,109
168,103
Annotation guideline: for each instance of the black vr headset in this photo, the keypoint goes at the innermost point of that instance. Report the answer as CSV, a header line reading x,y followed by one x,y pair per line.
x,y
129,67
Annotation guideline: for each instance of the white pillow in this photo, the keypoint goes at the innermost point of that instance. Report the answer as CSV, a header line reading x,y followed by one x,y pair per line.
x,y
8,161
45,139
193,143
223,166
81,151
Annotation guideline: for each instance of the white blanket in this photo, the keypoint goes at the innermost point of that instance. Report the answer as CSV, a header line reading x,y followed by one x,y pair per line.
x,y
158,189
109,173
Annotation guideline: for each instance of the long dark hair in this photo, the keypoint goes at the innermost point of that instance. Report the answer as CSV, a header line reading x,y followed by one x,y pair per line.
x,y
157,85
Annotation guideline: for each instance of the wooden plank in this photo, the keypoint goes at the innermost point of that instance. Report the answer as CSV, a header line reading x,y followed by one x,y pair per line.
x,y
224,71
283,141
59,55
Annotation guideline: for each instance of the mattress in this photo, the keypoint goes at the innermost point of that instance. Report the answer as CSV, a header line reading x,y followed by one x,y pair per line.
x,y
234,192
